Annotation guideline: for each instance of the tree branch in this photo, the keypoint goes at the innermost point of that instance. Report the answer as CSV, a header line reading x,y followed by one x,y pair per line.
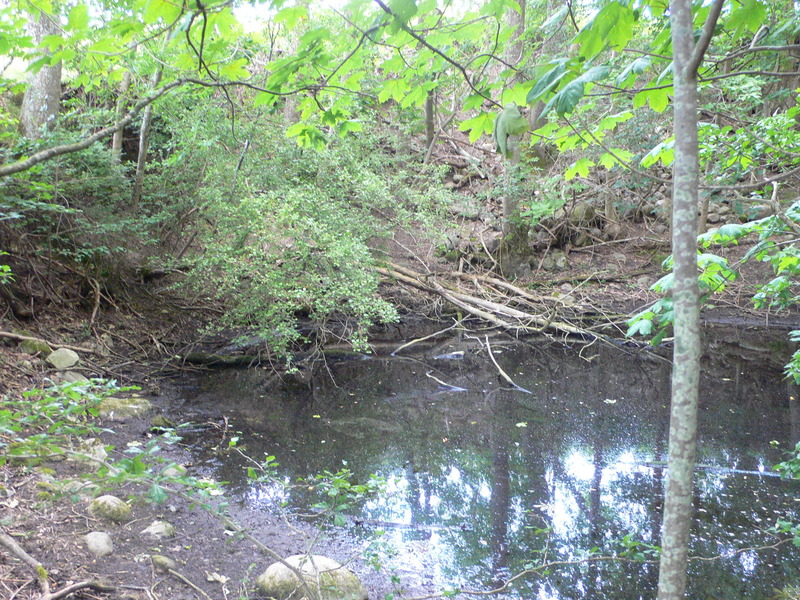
x,y
705,38
47,154
461,69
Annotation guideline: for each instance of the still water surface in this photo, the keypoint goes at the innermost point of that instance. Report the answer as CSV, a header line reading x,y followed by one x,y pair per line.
x,y
485,481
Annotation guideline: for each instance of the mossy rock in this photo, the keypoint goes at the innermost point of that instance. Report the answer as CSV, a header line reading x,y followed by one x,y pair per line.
x,y
163,563
35,347
124,409
326,578
110,508
159,423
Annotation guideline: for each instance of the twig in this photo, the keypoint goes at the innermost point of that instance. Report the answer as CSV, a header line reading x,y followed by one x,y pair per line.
x,y
175,573
500,370
427,337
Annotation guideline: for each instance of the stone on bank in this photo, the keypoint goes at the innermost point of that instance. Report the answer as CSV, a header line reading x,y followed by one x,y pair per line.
x,y
335,582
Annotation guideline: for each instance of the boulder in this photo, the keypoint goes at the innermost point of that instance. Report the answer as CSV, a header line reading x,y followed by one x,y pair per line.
x,y
123,409
35,347
159,530
63,359
99,543
326,578
110,508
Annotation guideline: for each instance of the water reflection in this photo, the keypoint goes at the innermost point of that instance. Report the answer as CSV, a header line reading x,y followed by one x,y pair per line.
x,y
490,481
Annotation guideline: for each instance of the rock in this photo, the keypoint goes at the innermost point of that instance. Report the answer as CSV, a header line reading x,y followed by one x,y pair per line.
x,y
613,231
123,409
35,347
712,218
159,530
99,543
326,578
63,358
110,508
174,471
759,211
582,239
660,229
73,377
94,450
163,563
160,423
581,215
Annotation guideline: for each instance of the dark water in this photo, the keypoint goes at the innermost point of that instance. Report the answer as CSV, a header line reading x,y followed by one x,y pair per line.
x,y
485,481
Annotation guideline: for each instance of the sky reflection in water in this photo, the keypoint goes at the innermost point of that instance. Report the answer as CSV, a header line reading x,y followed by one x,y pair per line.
x,y
489,481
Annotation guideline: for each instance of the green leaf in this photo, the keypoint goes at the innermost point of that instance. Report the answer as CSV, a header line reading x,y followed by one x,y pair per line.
x,y
746,15
636,67
404,10
292,15
166,10
664,152
609,160
658,99
509,122
477,126
547,82
566,99
157,494
395,89
580,168
78,17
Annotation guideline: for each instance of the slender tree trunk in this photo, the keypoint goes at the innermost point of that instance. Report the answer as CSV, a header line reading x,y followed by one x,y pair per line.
x,y
122,101
144,145
430,115
515,234
686,301
42,99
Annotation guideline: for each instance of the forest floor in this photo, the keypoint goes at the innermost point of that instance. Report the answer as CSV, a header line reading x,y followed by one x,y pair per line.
x,y
140,342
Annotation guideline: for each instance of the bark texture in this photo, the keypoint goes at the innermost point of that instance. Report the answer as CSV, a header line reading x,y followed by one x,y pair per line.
x,y
42,99
686,298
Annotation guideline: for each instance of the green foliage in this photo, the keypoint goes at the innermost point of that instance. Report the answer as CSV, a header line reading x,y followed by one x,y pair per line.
x,y
637,549
781,292
6,276
52,421
302,240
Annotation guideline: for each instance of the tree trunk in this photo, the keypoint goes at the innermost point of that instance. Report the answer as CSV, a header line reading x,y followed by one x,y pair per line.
x,y
430,115
144,145
122,101
686,300
43,97
515,232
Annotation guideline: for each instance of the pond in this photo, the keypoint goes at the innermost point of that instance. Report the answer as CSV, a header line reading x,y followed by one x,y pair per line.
x,y
485,481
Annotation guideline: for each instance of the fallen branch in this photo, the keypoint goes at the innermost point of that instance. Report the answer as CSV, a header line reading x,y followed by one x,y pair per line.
x,y
22,338
500,370
427,337
493,312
